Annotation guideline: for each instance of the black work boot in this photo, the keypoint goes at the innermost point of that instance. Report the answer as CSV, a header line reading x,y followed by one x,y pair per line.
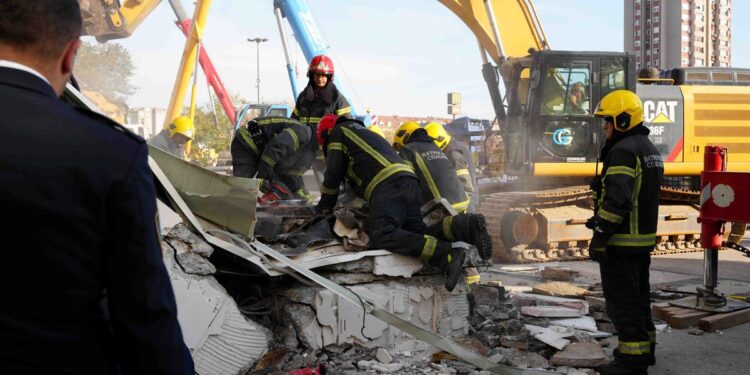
x,y
469,228
449,260
617,367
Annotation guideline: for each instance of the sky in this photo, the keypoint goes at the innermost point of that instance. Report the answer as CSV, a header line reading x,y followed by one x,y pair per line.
x,y
395,56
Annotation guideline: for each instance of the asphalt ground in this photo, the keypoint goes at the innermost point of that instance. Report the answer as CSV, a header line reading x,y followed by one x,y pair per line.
x,y
724,352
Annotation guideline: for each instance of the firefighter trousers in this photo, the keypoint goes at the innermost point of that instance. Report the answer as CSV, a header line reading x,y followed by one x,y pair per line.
x,y
395,219
625,280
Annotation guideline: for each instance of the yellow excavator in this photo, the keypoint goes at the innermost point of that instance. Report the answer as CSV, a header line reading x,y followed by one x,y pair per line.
x,y
552,141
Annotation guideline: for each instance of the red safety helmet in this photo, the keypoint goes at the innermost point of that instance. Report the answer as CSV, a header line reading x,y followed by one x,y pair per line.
x,y
324,127
321,64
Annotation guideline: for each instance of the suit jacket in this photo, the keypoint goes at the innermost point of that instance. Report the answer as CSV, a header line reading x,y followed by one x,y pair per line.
x,y
84,286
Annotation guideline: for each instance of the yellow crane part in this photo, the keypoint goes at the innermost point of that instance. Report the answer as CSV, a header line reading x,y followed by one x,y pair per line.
x,y
516,22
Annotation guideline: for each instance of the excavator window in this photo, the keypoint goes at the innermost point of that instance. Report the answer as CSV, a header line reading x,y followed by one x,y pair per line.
x,y
613,73
567,90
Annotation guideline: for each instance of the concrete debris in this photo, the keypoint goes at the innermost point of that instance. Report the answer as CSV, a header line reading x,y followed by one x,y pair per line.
x,y
383,356
330,320
585,323
559,289
559,274
550,311
220,338
549,336
519,358
580,354
182,233
596,303
527,269
396,265
488,294
195,264
540,300
606,327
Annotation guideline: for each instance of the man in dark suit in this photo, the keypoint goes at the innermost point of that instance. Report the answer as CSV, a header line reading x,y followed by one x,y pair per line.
x,y
84,286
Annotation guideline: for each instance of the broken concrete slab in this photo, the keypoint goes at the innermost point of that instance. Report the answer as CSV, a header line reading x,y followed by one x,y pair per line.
x,y
220,338
550,337
559,274
422,301
585,323
550,311
559,289
596,303
580,354
527,299
396,265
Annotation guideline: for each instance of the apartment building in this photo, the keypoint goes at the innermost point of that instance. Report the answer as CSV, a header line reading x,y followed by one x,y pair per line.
x,y
678,33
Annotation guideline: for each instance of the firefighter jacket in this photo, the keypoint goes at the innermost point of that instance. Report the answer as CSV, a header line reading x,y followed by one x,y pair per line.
x,y
289,150
461,161
360,156
437,178
312,105
627,193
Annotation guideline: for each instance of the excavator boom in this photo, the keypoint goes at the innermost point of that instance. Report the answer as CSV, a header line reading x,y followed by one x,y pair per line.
x,y
504,28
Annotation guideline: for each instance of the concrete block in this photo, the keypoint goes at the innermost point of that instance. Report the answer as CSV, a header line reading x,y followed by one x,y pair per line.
x,y
490,295
550,337
383,356
597,303
585,323
580,354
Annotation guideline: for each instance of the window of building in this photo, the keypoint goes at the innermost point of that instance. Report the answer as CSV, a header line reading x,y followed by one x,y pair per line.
x,y
685,61
685,6
656,18
698,62
656,62
637,43
656,29
685,49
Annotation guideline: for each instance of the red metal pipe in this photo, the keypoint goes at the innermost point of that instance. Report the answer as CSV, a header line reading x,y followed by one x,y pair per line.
x,y
713,161
212,76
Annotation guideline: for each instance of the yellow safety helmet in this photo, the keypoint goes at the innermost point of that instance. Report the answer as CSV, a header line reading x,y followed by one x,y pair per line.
x,y
624,108
404,131
181,125
437,131
377,130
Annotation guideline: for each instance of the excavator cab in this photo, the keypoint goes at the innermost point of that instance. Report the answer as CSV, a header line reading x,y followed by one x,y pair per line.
x,y
551,99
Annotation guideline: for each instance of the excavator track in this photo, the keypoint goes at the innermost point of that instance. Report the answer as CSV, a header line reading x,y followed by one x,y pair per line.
x,y
502,209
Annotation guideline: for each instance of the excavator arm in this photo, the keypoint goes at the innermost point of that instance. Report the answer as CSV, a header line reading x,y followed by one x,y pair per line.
x,y
114,19
504,28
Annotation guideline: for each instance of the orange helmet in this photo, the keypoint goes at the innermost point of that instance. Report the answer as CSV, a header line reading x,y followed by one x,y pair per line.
x,y
320,64
324,127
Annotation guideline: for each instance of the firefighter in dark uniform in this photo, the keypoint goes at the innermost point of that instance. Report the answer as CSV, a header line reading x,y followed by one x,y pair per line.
x,y
626,198
460,159
274,149
437,178
85,288
391,189
319,98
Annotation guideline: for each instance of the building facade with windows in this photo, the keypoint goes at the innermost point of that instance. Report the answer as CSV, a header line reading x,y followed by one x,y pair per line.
x,y
679,33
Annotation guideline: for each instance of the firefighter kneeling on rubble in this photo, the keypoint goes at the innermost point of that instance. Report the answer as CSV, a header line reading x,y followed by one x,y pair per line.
x,y
461,161
391,189
626,200
276,149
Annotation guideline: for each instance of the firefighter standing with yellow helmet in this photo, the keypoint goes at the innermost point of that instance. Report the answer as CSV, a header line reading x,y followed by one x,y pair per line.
x,y
626,200
172,139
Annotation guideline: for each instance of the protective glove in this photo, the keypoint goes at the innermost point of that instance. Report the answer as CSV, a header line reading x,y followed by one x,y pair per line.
x,y
302,194
264,185
591,223
598,246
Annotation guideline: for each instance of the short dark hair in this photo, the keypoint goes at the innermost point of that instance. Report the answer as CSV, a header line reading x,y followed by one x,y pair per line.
x,y
42,27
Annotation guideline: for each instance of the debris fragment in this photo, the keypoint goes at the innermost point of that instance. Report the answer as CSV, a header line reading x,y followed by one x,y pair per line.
x,y
559,289
559,274
580,354
550,311
383,356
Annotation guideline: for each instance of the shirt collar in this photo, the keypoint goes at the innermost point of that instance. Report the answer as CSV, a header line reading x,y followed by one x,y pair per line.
x,y
15,65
